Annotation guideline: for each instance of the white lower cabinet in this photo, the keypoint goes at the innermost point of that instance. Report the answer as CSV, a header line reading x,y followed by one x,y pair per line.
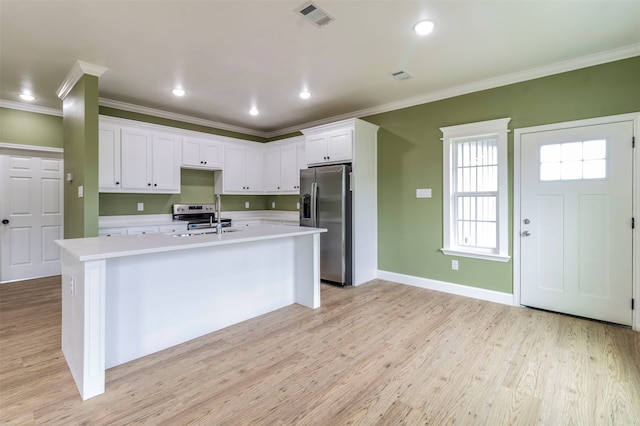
x,y
146,229
142,230
173,228
112,232
243,223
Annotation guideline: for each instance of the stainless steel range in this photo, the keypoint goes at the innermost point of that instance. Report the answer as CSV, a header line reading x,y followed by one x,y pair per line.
x,y
199,216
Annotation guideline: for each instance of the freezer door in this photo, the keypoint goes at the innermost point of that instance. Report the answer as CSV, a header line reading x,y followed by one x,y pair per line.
x,y
307,184
332,192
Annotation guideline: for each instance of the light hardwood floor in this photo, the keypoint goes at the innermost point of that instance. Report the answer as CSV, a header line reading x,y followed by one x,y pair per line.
x,y
381,353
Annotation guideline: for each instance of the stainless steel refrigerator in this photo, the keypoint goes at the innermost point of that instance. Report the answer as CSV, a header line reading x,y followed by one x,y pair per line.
x,y
325,202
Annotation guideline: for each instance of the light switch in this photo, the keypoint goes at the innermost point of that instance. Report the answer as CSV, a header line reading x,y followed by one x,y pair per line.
x,y
423,193
246,204
273,204
80,191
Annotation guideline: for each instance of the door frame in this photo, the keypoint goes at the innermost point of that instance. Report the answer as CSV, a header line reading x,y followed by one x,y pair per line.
x,y
34,151
635,192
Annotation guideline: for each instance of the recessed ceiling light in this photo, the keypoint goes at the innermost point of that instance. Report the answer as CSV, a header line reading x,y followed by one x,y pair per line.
x,y
423,27
305,94
178,91
254,111
27,96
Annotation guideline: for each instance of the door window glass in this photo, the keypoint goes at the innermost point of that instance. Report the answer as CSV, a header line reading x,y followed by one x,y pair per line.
x,y
574,160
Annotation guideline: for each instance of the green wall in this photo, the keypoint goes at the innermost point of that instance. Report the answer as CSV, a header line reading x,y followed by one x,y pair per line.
x,y
80,130
410,157
28,128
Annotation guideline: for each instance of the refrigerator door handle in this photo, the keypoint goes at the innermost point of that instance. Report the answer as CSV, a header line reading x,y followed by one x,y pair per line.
x,y
314,204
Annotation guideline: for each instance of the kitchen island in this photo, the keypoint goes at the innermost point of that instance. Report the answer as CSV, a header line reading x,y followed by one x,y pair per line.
x,y
129,296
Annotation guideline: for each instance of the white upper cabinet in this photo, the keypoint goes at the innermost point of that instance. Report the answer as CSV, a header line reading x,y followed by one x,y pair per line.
x,y
138,160
243,170
289,171
332,146
272,169
201,154
109,159
283,160
165,158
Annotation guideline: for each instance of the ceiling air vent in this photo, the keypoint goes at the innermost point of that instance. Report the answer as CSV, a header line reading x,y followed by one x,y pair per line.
x,y
314,14
401,75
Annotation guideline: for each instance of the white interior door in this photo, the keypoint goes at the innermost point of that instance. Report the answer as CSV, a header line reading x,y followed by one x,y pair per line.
x,y
575,221
31,191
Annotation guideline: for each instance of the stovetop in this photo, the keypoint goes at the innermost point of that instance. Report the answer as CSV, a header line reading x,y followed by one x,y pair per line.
x,y
198,215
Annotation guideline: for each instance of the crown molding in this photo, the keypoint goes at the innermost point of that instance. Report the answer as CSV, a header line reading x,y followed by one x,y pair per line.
x,y
77,71
30,108
179,117
531,74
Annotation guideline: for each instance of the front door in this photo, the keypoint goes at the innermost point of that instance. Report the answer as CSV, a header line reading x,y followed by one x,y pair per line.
x,y
31,207
575,222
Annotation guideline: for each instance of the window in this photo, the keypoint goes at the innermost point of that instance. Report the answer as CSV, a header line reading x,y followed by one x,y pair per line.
x,y
574,160
475,190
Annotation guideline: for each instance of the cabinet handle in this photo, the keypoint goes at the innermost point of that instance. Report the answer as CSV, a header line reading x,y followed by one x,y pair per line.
x,y
155,184
117,183
148,184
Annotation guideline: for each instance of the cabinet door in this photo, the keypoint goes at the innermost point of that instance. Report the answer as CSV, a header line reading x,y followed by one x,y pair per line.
x,y
340,146
165,165
211,155
254,170
136,160
316,149
272,168
109,159
290,174
191,153
136,230
234,163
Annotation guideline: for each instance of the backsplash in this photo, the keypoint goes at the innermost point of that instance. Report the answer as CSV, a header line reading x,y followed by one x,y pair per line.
x,y
196,187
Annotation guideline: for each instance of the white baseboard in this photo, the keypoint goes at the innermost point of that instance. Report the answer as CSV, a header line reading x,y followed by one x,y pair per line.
x,y
445,287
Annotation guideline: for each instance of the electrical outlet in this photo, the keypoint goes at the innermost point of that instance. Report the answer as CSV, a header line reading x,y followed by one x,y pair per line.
x,y
140,207
454,265
298,205
273,204
246,204
80,191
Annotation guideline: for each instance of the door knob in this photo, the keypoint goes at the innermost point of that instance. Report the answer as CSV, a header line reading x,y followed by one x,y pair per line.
x,y
5,221
525,233
526,221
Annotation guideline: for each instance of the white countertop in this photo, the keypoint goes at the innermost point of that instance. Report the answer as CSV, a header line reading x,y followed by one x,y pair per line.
x,y
104,248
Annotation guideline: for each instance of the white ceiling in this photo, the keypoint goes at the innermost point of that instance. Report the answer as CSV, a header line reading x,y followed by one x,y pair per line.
x,y
230,55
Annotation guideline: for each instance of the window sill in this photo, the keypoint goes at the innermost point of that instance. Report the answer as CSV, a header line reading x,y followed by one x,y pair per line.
x,y
476,255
